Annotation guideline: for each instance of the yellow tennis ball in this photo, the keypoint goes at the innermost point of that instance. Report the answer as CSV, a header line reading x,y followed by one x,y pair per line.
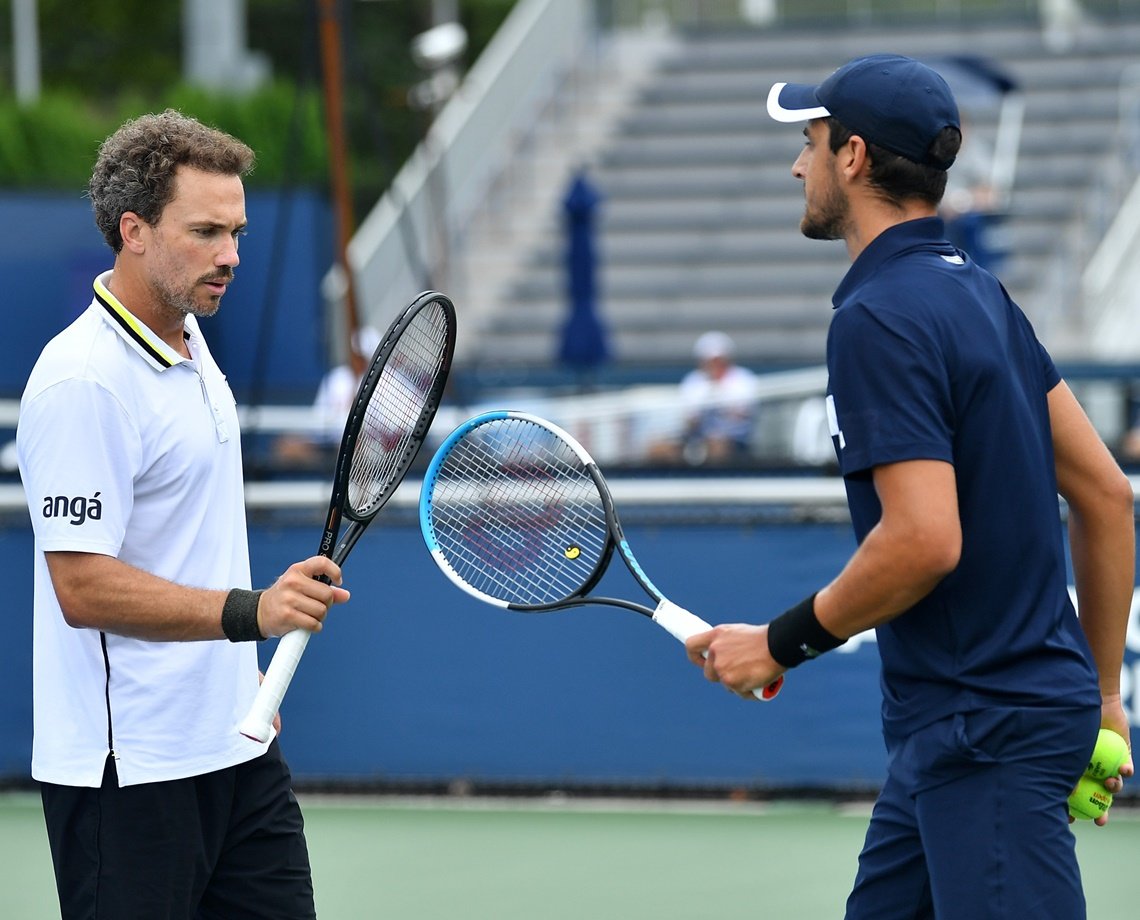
x,y
1110,753
1090,799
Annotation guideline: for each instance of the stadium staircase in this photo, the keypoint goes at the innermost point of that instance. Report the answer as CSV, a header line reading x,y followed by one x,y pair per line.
x,y
698,224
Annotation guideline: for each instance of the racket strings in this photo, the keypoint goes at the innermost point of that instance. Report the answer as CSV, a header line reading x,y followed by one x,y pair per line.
x,y
394,411
517,515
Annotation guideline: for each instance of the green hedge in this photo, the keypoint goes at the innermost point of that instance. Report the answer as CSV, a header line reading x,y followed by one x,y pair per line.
x,y
53,144
105,61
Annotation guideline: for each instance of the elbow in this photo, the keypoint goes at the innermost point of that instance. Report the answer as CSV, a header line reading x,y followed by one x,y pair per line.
x,y
74,611
1121,495
72,589
944,558
926,549
73,578
1109,498
936,554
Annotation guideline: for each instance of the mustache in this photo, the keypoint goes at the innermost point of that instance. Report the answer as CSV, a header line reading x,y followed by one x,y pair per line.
x,y
224,278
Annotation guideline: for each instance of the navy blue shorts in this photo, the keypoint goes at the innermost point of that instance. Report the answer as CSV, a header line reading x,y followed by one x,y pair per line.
x,y
972,821
228,845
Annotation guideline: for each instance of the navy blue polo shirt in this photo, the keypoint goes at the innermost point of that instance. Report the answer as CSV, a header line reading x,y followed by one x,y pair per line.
x,y
930,359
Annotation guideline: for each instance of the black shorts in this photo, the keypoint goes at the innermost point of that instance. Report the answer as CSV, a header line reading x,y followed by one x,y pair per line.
x,y
228,845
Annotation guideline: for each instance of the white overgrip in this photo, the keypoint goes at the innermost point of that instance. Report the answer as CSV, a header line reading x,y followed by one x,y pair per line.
x,y
682,624
258,723
677,621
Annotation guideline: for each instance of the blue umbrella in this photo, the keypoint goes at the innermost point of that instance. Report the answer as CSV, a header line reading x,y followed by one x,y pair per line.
x,y
583,344
980,84
975,80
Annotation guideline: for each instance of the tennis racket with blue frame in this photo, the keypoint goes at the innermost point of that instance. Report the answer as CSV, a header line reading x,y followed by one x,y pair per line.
x,y
516,513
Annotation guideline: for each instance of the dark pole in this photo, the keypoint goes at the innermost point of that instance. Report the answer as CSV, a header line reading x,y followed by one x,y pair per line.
x,y
333,85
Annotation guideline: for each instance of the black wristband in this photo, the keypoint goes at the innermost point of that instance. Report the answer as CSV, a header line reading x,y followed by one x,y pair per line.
x,y
796,635
239,616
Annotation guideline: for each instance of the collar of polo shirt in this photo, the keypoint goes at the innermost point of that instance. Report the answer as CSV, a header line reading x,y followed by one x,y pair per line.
x,y
135,332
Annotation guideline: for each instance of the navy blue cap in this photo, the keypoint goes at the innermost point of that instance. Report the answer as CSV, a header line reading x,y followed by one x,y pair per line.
x,y
891,101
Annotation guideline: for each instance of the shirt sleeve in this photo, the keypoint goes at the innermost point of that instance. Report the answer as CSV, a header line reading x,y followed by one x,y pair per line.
x,y
890,388
1048,369
79,453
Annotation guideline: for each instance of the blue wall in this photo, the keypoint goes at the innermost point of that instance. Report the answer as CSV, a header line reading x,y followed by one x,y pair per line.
x,y
50,251
413,681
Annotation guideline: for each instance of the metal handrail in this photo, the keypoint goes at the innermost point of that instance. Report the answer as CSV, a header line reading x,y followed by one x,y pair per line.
x,y
402,245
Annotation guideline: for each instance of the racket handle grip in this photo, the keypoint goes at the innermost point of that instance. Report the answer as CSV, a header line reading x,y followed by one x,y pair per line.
x,y
258,723
681,624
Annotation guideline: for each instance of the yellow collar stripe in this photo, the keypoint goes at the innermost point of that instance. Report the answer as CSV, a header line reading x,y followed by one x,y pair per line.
x,y
154,349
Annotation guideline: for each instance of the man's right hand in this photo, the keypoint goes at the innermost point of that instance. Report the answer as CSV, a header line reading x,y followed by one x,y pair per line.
x,y
298,599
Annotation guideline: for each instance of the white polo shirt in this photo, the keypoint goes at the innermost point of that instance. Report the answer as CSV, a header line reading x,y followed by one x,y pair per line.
x,y
129,450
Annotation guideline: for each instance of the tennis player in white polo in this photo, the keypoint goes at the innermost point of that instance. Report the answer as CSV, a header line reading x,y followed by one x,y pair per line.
x,y
144,659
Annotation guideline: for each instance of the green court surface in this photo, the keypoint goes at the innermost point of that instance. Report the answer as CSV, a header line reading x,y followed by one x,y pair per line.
x,y
493,860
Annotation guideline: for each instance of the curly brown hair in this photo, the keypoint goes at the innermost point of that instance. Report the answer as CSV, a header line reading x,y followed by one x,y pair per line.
x,y
136,166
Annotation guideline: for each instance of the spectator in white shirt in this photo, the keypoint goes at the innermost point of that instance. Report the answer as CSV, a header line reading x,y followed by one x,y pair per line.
x,y
718,398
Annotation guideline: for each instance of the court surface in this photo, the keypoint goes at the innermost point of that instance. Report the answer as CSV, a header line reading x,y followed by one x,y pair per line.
x,y
423,859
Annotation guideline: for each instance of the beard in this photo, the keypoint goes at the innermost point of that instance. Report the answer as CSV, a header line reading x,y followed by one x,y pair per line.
x,y
182,302
828,219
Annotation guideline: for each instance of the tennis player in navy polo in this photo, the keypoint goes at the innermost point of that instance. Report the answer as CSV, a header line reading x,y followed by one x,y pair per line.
x,y
954,433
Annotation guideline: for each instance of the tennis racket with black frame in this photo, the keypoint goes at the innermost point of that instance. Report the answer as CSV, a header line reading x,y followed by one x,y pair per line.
x,y
390,417
516,513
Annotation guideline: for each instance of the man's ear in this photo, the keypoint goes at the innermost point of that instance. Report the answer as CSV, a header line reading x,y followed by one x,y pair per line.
x,y
134,231
853,157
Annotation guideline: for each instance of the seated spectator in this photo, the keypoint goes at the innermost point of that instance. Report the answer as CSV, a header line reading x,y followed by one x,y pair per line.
x,y
718,398
334,397
971,207
811,435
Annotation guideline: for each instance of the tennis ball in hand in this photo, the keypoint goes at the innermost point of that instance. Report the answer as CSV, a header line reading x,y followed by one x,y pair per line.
x,y
1110,753
1090,799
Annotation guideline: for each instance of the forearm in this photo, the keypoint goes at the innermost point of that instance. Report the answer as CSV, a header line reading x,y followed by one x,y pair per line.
x,y
1103,552
893,568
1102,533
101,592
